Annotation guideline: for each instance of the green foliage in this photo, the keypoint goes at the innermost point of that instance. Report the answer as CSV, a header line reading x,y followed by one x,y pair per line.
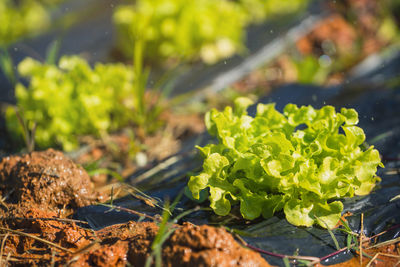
x,y
299,162
7,65
259,10
72,99
19,18
389,28
310,70
209,30
181,29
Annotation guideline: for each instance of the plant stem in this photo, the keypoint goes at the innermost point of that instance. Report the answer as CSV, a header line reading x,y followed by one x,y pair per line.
x,y
7,65
140,80
336,252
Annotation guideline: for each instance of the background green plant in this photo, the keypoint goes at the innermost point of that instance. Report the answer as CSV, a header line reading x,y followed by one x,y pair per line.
x,y
26,17
73,99
181,29
209,30
22,18
310,70
17,20
299,162
259,10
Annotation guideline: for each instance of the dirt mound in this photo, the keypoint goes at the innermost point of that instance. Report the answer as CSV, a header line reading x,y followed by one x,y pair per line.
x,y
120,244
204,245
39,188
45,178
33,236
189,245
38,191
48,239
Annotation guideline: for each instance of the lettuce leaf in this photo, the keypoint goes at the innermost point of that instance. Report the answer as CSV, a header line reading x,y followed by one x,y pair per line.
x,y
301,161
72,99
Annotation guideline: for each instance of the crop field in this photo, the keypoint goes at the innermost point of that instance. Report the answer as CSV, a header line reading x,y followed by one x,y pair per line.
x,y
199,133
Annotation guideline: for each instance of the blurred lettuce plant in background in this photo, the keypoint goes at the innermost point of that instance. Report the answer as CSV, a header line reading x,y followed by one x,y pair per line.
x,y
184,30
259,10
209,30
21,19
73,99
25,18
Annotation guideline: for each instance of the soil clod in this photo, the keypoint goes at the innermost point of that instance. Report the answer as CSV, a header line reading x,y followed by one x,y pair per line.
x,y
41,190
45,178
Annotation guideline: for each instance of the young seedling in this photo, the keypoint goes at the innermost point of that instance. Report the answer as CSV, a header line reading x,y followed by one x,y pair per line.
x,y
28,133
7,65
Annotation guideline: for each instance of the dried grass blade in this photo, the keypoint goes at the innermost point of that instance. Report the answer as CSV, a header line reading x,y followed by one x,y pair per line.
x,y
45,219
36,238
130,211
361,238
389,242
3,203
89,247
381,254
372,260
2,249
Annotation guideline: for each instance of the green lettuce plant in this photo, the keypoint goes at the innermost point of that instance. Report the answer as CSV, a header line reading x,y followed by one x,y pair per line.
x,y
23,17
181,30
72,99
207,30
259,10
19,19
301,161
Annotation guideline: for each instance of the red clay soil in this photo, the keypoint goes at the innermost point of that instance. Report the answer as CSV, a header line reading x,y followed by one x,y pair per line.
x,y
351,21
333,29
46,178
36,190
189,245
384,256
348,35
